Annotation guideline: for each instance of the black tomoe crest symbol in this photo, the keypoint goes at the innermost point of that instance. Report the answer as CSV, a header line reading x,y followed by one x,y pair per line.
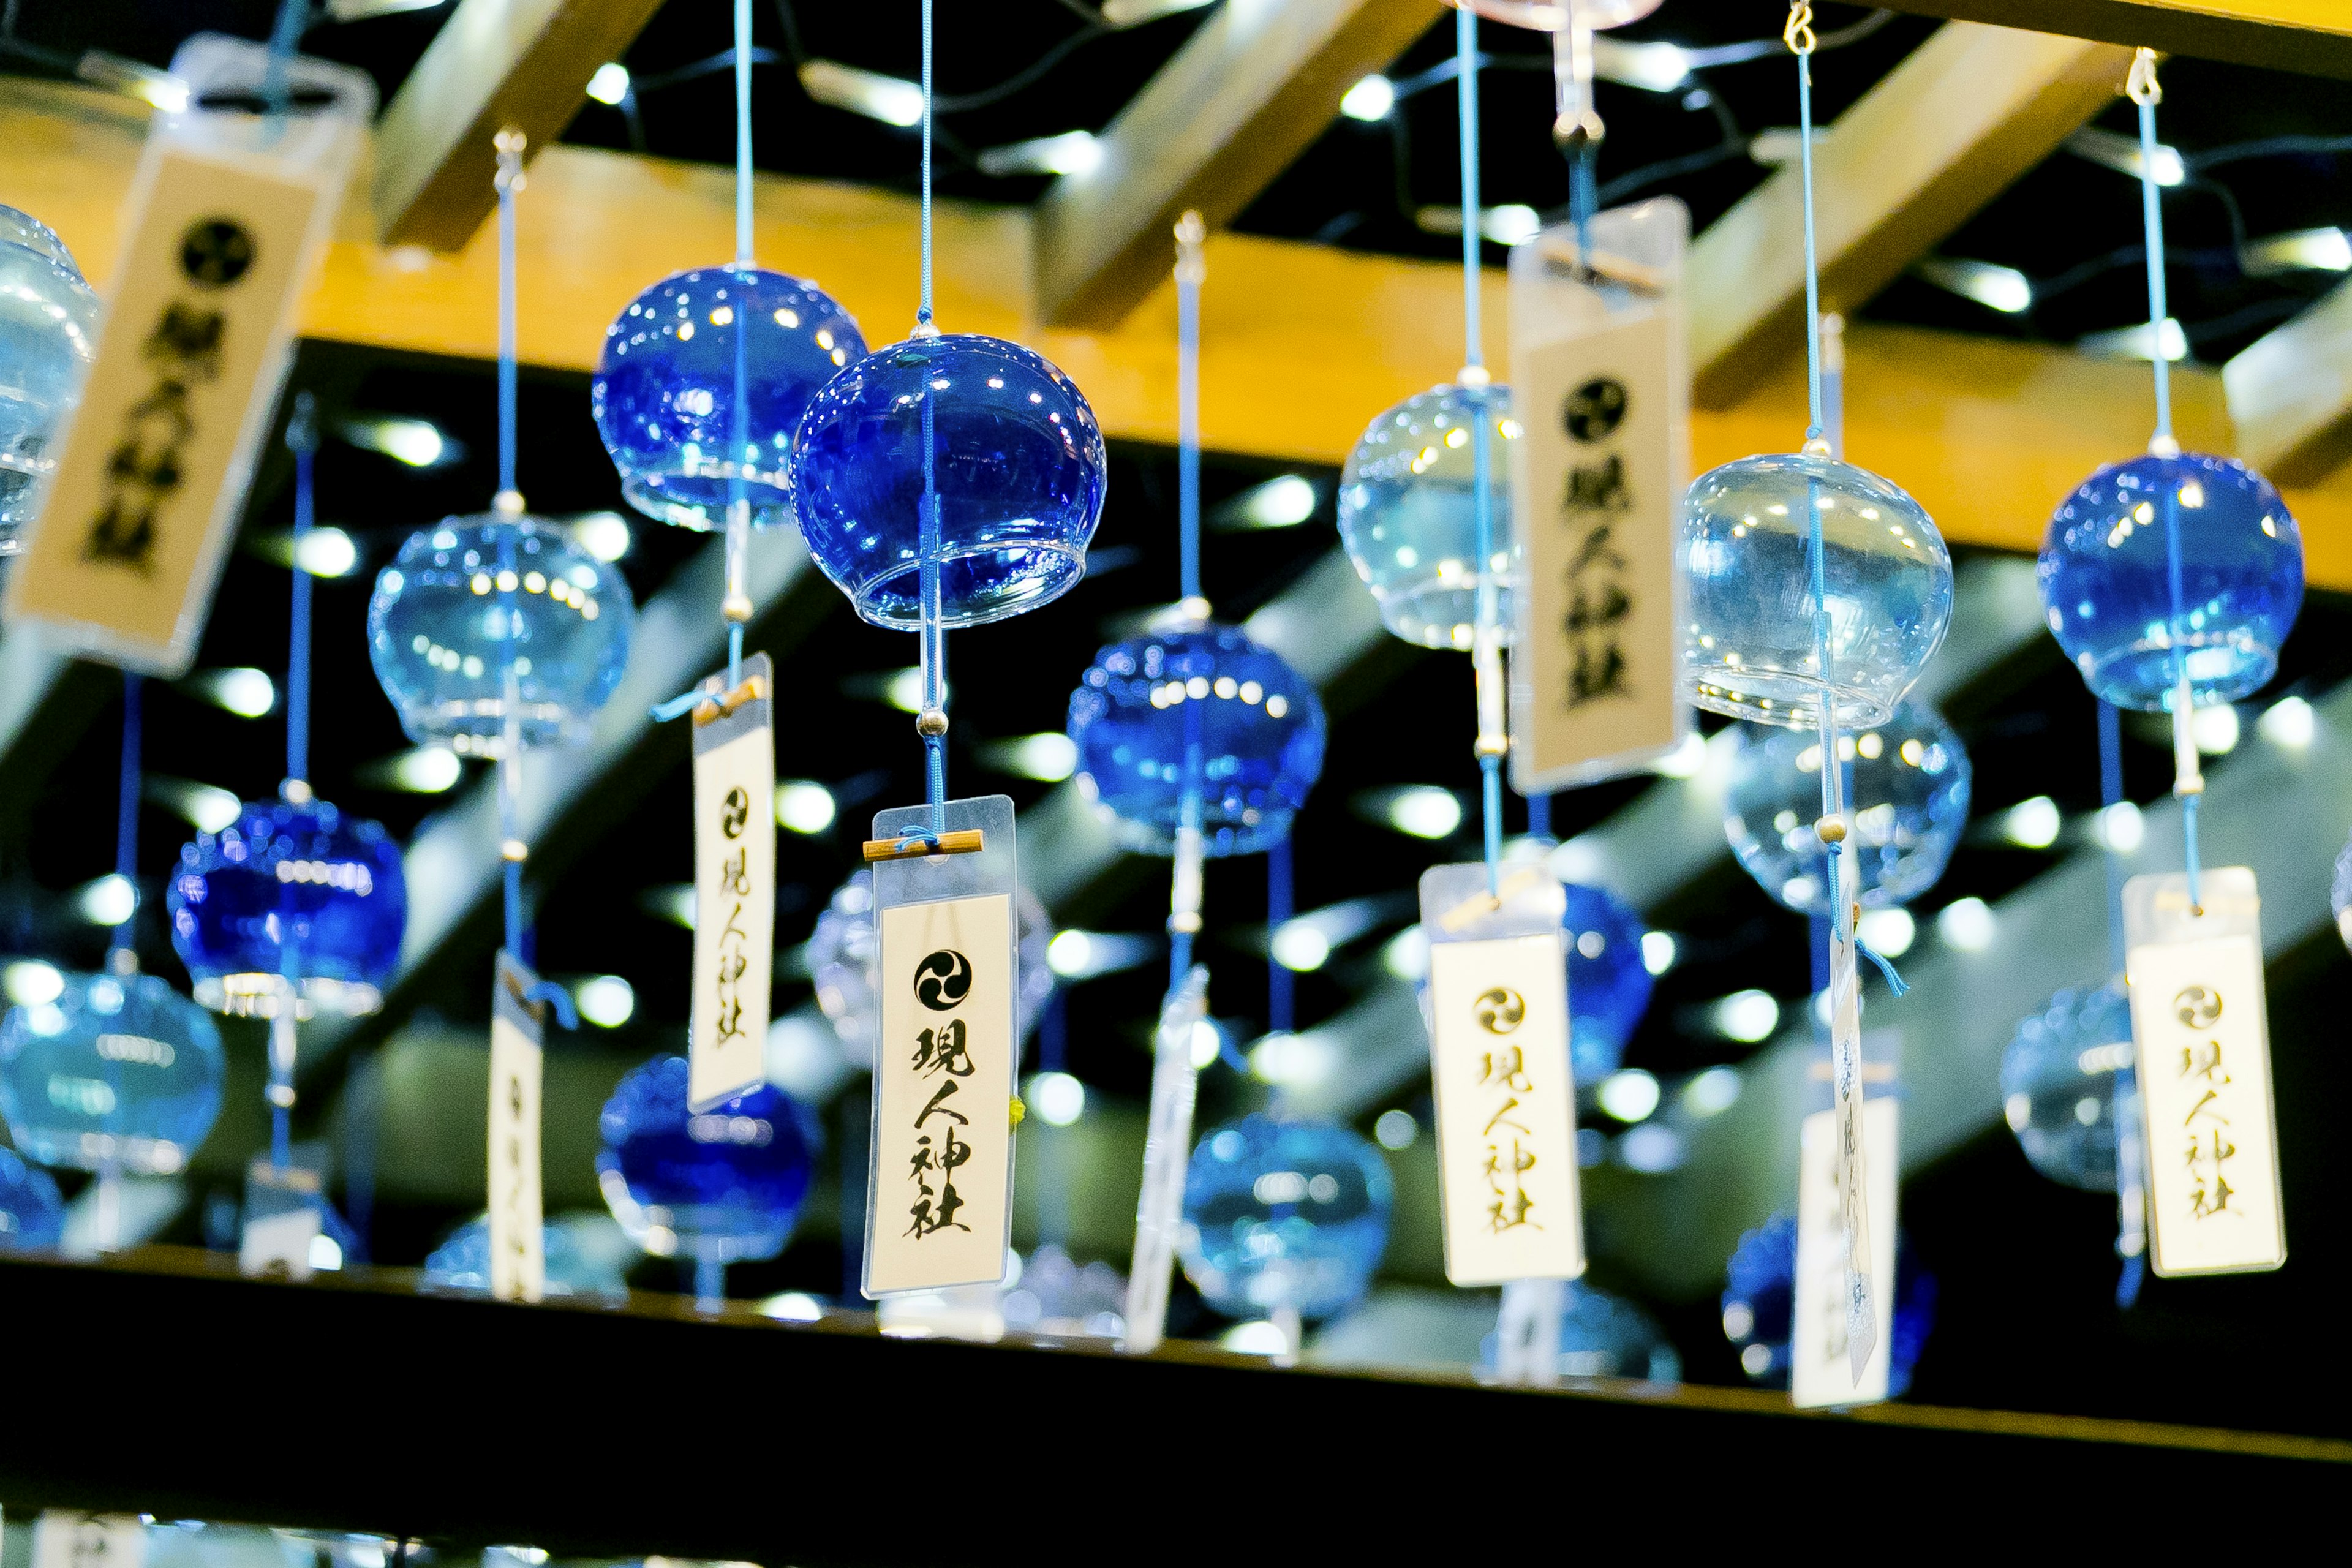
x,y
943,980
1499,1011
2198,1006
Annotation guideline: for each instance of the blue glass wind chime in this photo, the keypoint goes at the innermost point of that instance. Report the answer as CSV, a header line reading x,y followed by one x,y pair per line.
x,y
2171,580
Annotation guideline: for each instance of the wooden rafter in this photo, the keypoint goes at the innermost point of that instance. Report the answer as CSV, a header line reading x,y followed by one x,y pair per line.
x,y
2291,394
2310,37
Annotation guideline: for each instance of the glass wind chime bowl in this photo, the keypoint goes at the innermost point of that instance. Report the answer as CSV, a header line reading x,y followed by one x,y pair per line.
x,y
1283,1214
719,1187
664,395
115,1069
1406,514
48,335
1017,469
2063,1079
1608,984
463,1263
1749,648
1760,1305
32,1214
1143,703
447,612
1553,16
2106,580
328,881
1602,1335
1907,791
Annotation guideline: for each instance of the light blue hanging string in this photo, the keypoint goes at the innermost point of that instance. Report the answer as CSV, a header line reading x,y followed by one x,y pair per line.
x,y
509,146
1184,916
2130,1241
932,723
1475,381
737,605
302,440
2188,785
126,826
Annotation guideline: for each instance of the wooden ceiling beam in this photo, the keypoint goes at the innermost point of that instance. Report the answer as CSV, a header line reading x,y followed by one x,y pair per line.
x,y
494,64
1247,93
1988,434
2312,38
2291,394
1946,131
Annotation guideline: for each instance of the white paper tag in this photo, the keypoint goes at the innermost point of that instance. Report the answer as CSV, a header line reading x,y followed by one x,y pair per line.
x,y
1599,379
62,1538
1865,1292
1821,1362
734,888
943,1072
517,1241
281,1221
2198,1019
1506,1109
1167,1153
151,478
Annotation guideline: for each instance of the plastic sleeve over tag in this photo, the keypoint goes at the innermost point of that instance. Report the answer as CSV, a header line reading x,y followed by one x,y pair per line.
x,y
1822,1369
517,1240
281,1221
1601,379
1167,1153
2201,1027
734,886
939,1207
1506,1102
228,213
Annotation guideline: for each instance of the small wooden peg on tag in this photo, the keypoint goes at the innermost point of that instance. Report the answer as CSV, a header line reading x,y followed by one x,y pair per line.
x,y
717,705
964,841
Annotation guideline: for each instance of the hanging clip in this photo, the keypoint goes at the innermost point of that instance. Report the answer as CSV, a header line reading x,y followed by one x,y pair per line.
x,y
2141,86
1799,32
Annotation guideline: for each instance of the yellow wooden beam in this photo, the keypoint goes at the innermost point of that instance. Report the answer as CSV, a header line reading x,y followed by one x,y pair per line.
x,y
2310,37
1302,345
1948,130
494,64
1244,96
2291,394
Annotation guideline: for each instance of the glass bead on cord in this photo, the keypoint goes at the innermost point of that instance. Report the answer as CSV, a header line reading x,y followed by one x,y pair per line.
x,y
1907,799
2105,578
441,624
1759,1305
1284,1214
331,881
2063,1077
663,393
1260,732
115,1069
1407,517
719,1187
1749,648
1018,468
48,336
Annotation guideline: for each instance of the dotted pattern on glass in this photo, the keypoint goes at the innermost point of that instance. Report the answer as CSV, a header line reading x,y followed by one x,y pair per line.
x,y
1259,723
1406,518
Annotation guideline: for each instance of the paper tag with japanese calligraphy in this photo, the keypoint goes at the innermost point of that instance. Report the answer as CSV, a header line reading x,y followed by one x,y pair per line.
x,y
62,1538
938,1204
734,885
518,1242
1601,381
1821,1362
1167,1155
1497,1008
228,213
2200,1022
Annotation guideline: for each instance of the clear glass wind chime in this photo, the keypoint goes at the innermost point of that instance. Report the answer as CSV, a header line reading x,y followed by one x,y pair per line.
x,y
945,481
1876,601
1198,742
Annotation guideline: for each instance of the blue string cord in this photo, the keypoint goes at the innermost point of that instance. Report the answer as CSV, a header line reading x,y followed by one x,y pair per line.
x,y
738,502
1188,533
1474,360
2151,212
1814,427
923,312
1281,994
303,438
509,764
2111,793
126,818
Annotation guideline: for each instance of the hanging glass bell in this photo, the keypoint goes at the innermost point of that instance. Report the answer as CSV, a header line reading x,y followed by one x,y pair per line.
x,y
1608,983
48,335
290,885
719,1186
2063,1075
1406,514
447,612
32,1214
115,1069
1282,1213
664,395
2106,580
1142,704
1017,469
1907,791
1749,644
462,1262
1602,1335
1760,1305
843,950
